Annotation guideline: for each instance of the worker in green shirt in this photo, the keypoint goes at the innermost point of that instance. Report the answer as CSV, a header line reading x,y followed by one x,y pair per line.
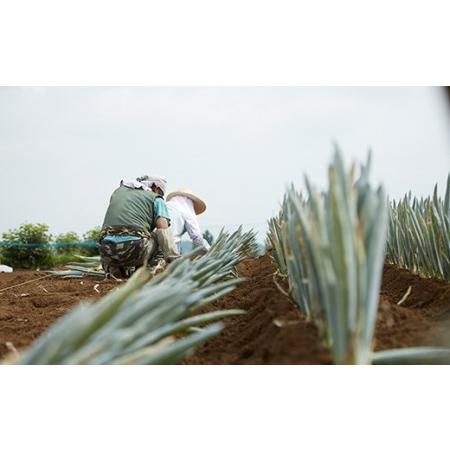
x,y
136,230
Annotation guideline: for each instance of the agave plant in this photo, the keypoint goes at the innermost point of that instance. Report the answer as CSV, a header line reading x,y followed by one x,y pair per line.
x,y
333,245
245,241
342,237
148,320
134,325
275,239
285,241
294,247
419,234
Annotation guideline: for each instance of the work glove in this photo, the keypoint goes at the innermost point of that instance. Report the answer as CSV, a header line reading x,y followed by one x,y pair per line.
x,y
166,244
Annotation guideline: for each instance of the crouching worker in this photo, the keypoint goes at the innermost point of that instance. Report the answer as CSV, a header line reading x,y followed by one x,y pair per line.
x,y
136,230
184,207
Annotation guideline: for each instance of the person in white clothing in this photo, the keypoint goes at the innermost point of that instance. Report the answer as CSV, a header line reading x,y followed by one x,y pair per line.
x,y
184,207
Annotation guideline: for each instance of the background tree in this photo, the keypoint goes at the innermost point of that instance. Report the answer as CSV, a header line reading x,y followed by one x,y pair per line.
x,y
27,247
90,239
64,240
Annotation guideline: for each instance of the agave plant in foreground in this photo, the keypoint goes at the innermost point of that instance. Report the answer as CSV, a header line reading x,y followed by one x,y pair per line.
x,y
341,237
333,244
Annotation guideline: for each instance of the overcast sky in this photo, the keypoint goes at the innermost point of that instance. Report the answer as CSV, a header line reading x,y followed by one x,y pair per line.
x,y
64,150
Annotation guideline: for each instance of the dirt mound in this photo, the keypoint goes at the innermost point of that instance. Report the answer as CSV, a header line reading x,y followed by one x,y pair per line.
x,y
422,319
274,331
430,296
29,309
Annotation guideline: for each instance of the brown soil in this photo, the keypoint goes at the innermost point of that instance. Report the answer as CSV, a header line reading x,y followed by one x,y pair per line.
x,y
422,319
272,332
28,310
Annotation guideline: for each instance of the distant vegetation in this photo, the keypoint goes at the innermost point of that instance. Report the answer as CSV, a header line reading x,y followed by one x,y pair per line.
x,y
31,246
65,239
91,237
33,254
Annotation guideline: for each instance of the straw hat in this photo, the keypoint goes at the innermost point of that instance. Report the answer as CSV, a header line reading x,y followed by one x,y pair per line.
x,y
199,205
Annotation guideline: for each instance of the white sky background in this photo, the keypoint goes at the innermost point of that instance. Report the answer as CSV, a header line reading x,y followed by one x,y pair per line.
x,y
64,150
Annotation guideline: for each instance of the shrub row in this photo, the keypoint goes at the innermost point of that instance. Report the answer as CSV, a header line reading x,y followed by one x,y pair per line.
x,y
31,246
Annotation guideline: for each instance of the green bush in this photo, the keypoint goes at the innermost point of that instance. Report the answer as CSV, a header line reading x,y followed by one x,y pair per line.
x,y
91,237
65,239
25,249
